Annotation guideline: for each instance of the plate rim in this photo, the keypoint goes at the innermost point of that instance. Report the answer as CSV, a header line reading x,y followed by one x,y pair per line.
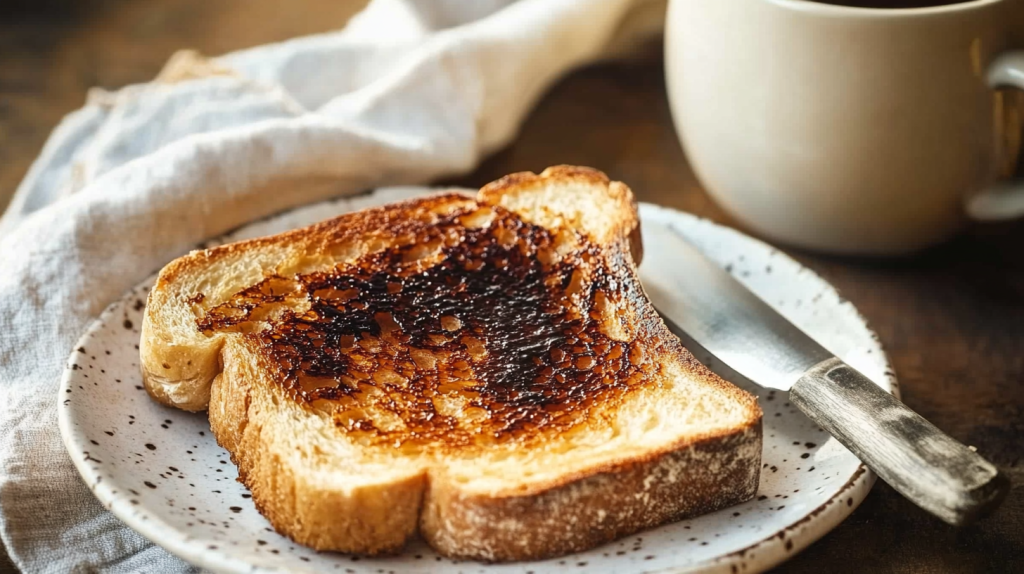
x,y
771,549
140,522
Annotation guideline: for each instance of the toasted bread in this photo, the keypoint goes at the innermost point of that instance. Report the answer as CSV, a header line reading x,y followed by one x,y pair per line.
x,y
485,371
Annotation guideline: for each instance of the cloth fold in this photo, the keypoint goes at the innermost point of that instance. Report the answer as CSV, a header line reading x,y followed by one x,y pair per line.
x,y
408,91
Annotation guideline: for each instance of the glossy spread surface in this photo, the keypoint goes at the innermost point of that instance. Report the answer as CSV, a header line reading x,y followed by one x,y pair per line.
x,y
476,327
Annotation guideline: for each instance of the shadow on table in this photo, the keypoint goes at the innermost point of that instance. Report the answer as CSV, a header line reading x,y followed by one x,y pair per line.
x,y
53,9
6,567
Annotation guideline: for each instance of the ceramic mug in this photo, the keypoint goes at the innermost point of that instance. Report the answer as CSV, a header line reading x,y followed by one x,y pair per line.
x,y
850,130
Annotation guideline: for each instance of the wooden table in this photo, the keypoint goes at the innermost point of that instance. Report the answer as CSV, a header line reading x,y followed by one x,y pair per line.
x,y
952,319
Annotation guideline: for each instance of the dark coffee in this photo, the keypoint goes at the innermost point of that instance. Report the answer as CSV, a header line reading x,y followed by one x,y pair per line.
x,y
890,3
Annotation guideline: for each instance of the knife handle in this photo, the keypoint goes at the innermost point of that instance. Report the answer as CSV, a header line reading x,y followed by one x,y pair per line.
x,y
924,464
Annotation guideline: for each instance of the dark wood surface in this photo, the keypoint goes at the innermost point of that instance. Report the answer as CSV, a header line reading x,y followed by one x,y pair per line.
x,y
951,319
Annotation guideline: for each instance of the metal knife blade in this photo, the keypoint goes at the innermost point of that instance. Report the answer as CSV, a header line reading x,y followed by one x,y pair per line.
x,y
722,315
927,466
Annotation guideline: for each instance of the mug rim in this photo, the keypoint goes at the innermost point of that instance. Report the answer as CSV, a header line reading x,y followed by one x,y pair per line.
x,y
810,6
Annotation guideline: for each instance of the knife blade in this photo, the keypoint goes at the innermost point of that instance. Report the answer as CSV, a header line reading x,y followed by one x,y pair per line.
x,y
696,296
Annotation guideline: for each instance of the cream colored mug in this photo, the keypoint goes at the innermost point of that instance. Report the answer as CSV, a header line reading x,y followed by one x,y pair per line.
x,y
850,130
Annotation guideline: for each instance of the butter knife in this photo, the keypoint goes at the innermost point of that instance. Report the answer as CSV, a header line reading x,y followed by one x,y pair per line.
x,y
917,459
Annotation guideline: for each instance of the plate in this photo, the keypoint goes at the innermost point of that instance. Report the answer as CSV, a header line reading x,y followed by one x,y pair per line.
x,y
161,472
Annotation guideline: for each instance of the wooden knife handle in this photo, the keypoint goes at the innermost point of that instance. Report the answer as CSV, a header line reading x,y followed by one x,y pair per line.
x,y
924,464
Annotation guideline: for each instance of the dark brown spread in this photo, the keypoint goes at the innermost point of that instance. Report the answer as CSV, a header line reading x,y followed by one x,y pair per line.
x,y
460,335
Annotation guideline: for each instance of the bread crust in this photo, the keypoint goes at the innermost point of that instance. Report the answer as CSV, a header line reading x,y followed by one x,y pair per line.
x,y
693,476
263,428
370,520
596,508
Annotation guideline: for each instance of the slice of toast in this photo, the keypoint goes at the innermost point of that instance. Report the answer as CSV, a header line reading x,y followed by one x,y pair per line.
x,y
485,371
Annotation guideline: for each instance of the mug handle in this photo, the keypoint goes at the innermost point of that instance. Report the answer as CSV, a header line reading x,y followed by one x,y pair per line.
x,y
1002,200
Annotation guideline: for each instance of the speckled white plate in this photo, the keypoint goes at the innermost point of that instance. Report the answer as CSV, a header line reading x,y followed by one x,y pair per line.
x,y
161,472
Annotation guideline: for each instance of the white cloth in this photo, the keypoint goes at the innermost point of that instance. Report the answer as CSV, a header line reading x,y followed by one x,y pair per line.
x,y
409,91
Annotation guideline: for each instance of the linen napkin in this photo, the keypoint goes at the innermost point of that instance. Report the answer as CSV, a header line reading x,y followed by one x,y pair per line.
x,y
409,91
